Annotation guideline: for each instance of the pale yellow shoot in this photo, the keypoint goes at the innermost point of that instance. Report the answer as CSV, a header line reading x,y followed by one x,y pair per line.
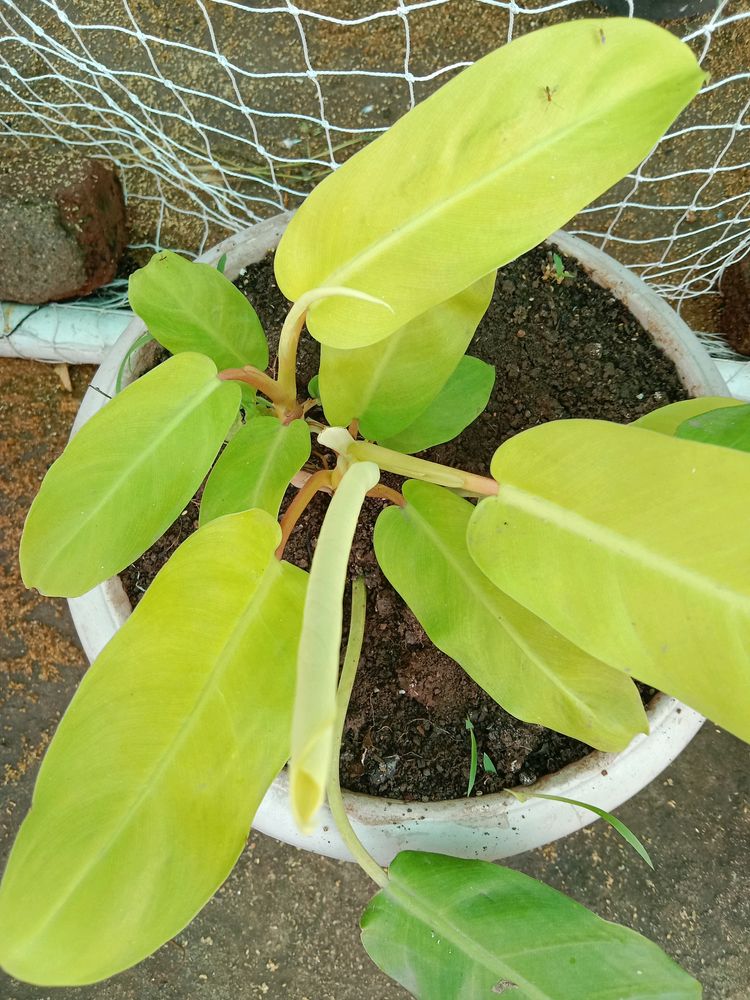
x,y
320,644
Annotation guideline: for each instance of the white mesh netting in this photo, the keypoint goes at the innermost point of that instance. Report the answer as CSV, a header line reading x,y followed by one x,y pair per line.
x,y
218,112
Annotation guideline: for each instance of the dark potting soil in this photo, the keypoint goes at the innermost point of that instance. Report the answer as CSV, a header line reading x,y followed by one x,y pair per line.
x,y
561,350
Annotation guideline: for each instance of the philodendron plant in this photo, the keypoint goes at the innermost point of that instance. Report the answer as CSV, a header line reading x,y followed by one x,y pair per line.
x,y
593,553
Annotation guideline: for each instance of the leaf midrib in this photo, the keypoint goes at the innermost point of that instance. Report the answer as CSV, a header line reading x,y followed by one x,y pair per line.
x,y
58,552
437,920
444,924
610,540
218,335
282,441
444,203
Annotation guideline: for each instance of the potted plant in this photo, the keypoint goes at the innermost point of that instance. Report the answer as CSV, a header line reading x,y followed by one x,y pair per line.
x,y
496,825
231,660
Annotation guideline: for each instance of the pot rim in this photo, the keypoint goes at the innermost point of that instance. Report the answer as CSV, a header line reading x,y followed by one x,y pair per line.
x,y
489,826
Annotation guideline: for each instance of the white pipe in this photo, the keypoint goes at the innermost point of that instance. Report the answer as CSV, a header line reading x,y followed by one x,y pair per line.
x,y
736,374
60,332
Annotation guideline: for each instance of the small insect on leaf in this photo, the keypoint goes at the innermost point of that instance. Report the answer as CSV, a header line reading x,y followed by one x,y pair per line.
x,y
221,263
473,762
602,36
503,986
489,767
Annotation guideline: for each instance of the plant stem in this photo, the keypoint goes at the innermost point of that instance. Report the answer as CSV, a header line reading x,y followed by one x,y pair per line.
x,y
287,355
419,468
292,328
317,481
341,441
346,682
381,492
257,379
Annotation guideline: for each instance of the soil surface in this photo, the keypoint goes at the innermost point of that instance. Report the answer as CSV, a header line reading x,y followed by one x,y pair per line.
x,y
561,350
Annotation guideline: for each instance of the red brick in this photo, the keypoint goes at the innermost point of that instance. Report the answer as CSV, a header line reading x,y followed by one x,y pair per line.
x,y
62,225
735,314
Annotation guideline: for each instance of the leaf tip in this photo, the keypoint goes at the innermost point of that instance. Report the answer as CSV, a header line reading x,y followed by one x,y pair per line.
x,y
306,795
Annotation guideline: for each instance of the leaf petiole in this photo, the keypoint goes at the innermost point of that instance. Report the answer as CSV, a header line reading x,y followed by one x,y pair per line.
x,y
340,441
256,378
318,481
292,329
351,661
382,492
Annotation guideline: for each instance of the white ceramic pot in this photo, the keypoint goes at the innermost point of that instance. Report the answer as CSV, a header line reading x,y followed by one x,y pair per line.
x,y
491,826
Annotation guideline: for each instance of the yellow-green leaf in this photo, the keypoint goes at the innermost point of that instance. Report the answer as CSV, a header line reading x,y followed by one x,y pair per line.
x,y
459,402
527,667
482,171
449,929
668,418
193,307
726,427
633,545
146,794
256,467
126,475
388,384
320,645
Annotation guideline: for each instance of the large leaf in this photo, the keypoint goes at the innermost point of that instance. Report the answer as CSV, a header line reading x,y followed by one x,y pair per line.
x,y
193,307
459,402
320,645
126,475
634,546
668,418
256,467
728,427
388,384
146,795
525,665
446,929
482,171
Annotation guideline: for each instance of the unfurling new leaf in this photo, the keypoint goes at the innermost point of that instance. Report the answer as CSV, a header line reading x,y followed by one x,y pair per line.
x,y
320,645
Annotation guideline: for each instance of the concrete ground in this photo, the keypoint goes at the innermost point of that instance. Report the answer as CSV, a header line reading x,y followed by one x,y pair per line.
x,y
285,923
